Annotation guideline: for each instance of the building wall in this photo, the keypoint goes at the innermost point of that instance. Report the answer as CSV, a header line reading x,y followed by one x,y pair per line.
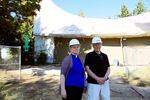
x,y
62,48
110,46
135,51
113,49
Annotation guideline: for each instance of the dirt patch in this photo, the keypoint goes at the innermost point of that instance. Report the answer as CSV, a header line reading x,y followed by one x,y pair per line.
x,y
43,86
31,87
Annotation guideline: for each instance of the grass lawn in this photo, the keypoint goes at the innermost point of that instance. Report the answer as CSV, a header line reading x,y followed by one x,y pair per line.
x,y
134,75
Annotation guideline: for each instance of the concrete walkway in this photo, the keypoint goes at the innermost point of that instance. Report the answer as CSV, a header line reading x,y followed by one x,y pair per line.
x,y
128,92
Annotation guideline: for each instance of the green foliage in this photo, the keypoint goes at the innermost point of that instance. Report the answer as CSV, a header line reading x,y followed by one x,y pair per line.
x,y
81,13
23,29
124,11
42,57
139,8
12,29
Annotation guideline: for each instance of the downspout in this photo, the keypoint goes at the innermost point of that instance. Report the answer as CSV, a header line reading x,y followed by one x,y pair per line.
x,y
126,68
122,51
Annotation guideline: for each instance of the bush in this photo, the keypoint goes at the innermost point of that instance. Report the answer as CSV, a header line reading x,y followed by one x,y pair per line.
x,y
41,59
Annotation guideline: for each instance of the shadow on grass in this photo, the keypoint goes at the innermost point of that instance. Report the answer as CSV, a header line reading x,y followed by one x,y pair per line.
x,y
40,90
43,89
136,81
9,91
143,83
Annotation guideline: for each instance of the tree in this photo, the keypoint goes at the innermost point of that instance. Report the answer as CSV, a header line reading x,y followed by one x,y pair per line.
x,y
12,29
139,8
124,11
81,13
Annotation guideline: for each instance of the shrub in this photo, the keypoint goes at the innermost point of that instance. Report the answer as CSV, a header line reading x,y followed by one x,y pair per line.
x,y
41,59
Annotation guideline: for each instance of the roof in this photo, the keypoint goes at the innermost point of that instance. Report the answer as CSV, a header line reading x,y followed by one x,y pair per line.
x,y
54,21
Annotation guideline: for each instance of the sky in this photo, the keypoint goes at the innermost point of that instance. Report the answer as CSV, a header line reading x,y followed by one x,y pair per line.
x,y
98,8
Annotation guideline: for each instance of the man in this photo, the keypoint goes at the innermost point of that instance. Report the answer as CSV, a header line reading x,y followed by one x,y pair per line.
x,y
98,69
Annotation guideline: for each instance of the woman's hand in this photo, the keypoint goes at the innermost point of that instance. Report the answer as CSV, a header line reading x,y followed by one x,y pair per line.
x,y
63,93
63,90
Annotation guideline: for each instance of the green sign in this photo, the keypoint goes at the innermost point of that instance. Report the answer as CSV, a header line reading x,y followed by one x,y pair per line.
x,y
26,45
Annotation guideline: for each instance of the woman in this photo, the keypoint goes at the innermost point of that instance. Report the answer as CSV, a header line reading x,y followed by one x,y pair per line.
x,y
72,73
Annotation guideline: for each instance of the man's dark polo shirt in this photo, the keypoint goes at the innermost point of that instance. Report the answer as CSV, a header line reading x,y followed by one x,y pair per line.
x,y
98,64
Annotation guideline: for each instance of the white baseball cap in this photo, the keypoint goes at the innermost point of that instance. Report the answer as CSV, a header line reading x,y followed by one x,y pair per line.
x,y
74,42
96,40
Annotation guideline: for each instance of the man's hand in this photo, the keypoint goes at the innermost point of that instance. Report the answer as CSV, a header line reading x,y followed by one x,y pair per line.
x,y
101,80
63,93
